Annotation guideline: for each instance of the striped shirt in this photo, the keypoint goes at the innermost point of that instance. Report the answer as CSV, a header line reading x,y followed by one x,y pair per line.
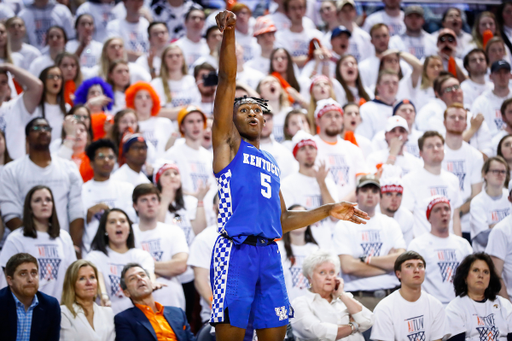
x,y
24,318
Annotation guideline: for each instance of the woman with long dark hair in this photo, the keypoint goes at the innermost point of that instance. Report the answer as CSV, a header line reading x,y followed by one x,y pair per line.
x,y
349,79
282,67
69,65
42,237
478,310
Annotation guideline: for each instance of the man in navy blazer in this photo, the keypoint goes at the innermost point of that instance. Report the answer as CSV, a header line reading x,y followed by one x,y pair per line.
x,y
27,314
148,320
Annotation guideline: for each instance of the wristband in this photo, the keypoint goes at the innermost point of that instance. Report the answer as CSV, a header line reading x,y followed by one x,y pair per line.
x,y
200,203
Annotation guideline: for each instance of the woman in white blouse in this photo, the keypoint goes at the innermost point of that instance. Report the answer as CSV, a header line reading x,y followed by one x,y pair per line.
x,y
82,319
326,311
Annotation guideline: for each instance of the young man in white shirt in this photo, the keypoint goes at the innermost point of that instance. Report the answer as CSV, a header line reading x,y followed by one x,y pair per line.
x,y
193,44
315,188
392,16
280,17
475,63
173,13
206,80
442,250
462,160
368,253
375,113
133,29
360,45
415,40
397,134
430,180
102,193
39,167
506,116
344,159
135,150
166,244
244,30
489,102
264,31
410,313
158,41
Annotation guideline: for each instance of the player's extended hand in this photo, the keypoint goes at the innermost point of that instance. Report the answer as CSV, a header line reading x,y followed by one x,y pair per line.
x,y
347,211
225,20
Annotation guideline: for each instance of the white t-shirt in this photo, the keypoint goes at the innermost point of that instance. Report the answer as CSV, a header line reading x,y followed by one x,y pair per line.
x,y
297,44
282,22
126,174
183,92
142,61
278,120
420,186
500,246
54,116
39,64
283,156
174,17
341,96
135,35
16,118
490,320
423,46
399,320
489,105
248,42
259,63
380,234
360,45
157,131
111,267
250,77
405,219
296,283
102,14
494,142
90,55
443,256
114,193
369,70
472,90
411,146
304,190
193,51
420,97
28,54
374,115
162,243
61,176
137,73
200,256
396,24
53,257
406,162
484,211
345,161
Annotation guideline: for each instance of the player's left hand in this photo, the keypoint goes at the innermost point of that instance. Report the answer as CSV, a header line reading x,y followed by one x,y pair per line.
x,y
347,211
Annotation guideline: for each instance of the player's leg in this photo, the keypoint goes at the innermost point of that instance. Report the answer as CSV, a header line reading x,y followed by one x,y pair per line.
x,y
227,332
271,334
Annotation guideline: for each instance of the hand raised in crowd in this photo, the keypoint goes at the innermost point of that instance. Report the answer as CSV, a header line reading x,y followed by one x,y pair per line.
x,y
96,104
201,191
70,125
322,171
98,208
396,144
105,301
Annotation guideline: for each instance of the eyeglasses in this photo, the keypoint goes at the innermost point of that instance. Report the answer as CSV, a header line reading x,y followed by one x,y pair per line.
x,y
41,128
449,39
54,77
498,172
104,157
451,89
80,117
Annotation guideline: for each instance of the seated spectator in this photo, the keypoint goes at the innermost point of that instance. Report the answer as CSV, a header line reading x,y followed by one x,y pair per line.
x,y
133,29
322,61
432,179
264,32
173,15
352,120
447,50
165,323
158,40
76,138
397,134
40,167
321,88
102,193
245,74
112,248
367,253
505,150
424,91
27,313
82,318
282,67
326,311
452,19
206,81
348,76
491,205
192,43
295,246
485,21
244,30
506,116
42,237
85,47
476,286
495,50
213,39
410,313
56,40
295,120
392,16
476,63
270,89
26,53
441,248
166,244
102,13
119,79
135,152
69,66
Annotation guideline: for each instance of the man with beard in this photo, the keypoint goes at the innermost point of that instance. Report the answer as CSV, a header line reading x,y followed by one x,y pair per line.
x,y
367,254
489,102
447,48
27,313
344,159
39,167
475,63
315,188
391,16
462,160
201,73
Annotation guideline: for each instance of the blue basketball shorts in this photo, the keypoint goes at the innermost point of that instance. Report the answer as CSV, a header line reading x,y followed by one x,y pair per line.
x,y
248,284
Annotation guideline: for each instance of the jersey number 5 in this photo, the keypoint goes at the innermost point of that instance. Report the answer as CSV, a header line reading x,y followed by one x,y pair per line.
x,y
266,191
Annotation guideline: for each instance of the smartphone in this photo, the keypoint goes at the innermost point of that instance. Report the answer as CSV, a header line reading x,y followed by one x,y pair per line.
x,y
210,79
337,285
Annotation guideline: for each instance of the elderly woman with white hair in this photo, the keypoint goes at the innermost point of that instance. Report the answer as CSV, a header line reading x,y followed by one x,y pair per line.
x,y
326,312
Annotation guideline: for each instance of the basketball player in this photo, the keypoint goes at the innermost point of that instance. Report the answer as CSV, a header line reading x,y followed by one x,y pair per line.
x,y
246,273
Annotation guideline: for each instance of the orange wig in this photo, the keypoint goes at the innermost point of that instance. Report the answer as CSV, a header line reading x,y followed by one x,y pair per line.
x,y
131,92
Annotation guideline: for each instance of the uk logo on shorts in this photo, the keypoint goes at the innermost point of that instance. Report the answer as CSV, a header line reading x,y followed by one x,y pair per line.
x,y
282,313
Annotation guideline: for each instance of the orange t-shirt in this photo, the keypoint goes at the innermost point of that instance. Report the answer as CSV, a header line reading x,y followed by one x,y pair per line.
x,y
98,124
157,319
84,166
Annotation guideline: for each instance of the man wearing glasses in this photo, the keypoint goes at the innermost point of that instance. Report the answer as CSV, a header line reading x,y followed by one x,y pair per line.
x,y
446,49
103,193
39,167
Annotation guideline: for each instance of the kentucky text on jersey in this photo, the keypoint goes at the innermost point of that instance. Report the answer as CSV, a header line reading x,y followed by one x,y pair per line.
x,y
257,161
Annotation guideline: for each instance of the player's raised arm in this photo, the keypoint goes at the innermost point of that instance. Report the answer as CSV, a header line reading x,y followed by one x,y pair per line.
x,y
223,127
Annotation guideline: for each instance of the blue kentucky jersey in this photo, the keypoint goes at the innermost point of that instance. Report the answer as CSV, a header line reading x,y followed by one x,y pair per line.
x,y
249,203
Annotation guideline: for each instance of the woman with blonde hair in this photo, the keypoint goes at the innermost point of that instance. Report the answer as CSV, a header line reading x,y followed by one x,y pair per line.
x,y
424,91
69,65
81,318
321,88
174,86
5,46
